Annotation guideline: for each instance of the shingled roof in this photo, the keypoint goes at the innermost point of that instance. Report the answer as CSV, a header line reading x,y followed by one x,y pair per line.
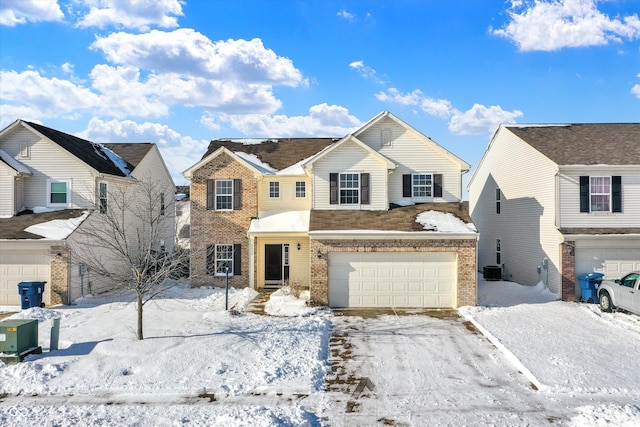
x,y
89,152
399,219
133,153
13,228
279,153
584,144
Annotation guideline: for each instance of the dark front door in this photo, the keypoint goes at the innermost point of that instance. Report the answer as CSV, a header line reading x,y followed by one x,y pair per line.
x,y
273,264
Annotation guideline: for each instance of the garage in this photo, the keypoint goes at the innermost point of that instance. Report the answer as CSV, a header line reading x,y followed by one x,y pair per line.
x,y
613,262
392,279
17,266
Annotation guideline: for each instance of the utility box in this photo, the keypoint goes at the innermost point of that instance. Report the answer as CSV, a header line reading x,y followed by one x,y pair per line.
x,y
18,336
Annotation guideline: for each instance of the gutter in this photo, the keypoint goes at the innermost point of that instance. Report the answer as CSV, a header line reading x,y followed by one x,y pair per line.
x,y
390,235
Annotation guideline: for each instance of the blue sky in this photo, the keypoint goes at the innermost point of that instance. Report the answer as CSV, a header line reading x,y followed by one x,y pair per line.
x,y
182,72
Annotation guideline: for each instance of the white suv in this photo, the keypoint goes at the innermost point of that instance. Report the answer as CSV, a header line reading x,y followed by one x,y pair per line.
x,y
622,293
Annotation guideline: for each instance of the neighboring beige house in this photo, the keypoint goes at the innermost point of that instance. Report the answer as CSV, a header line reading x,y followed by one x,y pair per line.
x,y
51,183
553,202
374,219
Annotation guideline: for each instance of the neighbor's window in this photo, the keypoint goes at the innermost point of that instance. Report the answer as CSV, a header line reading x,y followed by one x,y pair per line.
x,y
224,194
498,252
349,188
600,193
102,197
58,192
301,189
274,190
422,185
162,205
498,200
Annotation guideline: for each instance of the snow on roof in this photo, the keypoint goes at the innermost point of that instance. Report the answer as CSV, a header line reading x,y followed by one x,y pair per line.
x,y
254,161
13,163
288,221
295,169
444,222
118,161
58,229
250,141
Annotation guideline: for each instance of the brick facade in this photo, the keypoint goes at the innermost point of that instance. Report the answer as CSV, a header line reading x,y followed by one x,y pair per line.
x,y
220,227
59,286
466,262
568,257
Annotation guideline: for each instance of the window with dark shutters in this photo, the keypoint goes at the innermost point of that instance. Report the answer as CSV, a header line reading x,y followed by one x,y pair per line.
x,y
584,194
237,194
616,193
365,196
237,260
406,185
333,188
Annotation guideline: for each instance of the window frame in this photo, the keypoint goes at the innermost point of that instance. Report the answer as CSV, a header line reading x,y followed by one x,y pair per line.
x,y
301,189
592,193
221,200
274,189
414,186
103,198
67,193
351,189
219,250
498,201
163,206
498,251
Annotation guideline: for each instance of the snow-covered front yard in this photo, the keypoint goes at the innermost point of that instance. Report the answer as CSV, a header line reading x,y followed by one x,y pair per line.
x,y
548,362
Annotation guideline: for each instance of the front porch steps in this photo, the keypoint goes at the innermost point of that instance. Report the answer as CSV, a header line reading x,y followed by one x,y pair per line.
x,y
257,305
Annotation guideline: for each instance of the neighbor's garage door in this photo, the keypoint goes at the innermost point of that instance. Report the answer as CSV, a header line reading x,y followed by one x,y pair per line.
x,y
390,279
613,262
20,266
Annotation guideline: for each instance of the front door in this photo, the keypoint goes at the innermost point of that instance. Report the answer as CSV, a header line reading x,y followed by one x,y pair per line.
x,y
273,264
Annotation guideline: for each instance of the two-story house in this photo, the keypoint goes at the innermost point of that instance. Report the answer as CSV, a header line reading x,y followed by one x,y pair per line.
x,y
373,219
553,202
51,185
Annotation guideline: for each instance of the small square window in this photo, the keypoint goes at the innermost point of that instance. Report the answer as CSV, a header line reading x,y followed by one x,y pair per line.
x,y
274,190
422,185
301,189
58,192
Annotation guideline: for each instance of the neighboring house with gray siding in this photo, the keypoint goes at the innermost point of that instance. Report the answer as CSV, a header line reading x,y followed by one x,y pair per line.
x,y
552,202
47,175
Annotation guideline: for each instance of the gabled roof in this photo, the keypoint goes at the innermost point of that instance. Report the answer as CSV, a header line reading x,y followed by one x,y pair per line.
x,y
14,227
386,114
14,164
350,138
255,168
279,153
131,152
94,155
584,144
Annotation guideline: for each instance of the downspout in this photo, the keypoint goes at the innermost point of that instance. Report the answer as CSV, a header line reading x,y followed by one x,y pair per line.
x,y
252,284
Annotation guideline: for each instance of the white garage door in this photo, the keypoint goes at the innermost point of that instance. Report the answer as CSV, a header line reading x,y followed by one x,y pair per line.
x,y
21,266
612,262
392,279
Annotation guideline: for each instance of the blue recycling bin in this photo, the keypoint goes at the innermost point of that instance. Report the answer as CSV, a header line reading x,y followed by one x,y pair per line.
x,y
589,284
31,294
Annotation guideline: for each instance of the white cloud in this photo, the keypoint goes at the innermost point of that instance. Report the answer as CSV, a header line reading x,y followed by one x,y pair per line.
x,y
134,14
346,15
323,120
365,71
15,12
189,52
551,25
481,119
45,97
179,152
478,119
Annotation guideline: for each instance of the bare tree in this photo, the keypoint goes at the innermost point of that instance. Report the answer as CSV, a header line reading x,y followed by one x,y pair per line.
x,y
128,241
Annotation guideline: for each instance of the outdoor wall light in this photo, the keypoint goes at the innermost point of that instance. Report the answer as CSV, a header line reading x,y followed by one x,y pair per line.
x,y
320,254
298,246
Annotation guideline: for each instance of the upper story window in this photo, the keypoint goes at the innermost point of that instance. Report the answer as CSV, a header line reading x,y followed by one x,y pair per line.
x,y
103,195
498,201
349,188
162,204
600,194
301,189
25,150
224,194
58,192
274,190
385,137
422,185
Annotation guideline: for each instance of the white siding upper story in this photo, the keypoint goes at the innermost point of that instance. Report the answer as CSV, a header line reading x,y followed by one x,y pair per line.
x,y
294,193
569,197
350,157
413,153
525,225
49,163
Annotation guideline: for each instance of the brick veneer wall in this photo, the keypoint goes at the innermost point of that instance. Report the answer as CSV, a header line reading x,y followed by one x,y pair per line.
x,y
59,285
568,271
220,227
466,250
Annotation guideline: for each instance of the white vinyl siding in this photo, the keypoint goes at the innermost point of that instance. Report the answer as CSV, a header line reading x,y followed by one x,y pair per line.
x,y
7,190
350,158
569,189
527,222
403,151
